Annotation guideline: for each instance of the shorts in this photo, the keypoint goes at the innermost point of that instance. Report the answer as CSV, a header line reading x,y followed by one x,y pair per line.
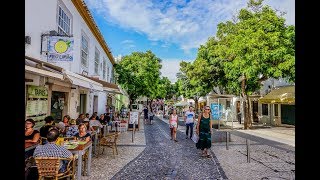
x,y
173,124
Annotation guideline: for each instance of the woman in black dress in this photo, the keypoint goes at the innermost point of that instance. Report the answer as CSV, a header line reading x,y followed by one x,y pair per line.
x,y
204,131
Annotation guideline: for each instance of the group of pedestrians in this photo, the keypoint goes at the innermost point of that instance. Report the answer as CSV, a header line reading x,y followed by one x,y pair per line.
x,y
148,115
203,128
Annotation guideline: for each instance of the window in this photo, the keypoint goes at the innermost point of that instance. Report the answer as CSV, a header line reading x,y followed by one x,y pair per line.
x,y
227,104
264,109
275,109
96,61
112,76
63,22
108,74
104,68
84,51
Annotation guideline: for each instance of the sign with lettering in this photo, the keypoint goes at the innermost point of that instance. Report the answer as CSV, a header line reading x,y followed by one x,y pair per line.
x,y
37,92
134,117
60,48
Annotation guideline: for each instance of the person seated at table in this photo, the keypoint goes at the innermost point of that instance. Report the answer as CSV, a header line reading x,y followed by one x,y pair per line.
x,y
64,124
108,119
102,119
94,122
30,134
89,129
83,135
73,128
95,114
52,150
80,119
45,128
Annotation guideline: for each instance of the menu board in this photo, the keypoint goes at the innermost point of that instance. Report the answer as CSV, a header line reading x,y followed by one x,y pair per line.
x,y
134,116
37,103
133,120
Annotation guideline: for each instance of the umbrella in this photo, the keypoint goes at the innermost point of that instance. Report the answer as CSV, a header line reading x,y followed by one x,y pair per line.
x,y
181,103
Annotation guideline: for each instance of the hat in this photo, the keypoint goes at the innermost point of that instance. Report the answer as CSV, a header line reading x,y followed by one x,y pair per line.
x,y
73,122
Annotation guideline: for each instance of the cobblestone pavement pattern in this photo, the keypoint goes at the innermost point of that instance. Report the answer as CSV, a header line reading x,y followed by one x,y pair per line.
x,y
154,156
166,159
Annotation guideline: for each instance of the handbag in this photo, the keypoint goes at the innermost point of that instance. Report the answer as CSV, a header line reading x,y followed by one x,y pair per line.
x,y
195,138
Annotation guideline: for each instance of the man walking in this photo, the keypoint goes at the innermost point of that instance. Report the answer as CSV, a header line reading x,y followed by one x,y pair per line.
x,y
189,118
145,113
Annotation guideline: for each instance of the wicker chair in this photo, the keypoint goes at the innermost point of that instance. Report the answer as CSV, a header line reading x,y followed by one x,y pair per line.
x,y
99,130
48,167
109,141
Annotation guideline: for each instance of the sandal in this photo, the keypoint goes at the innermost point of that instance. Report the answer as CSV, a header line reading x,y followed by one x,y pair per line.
x,y
203,155
209,156
175,140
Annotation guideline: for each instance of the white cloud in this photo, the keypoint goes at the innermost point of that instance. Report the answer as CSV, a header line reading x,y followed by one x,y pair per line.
x,y
127,44
188,26
170,67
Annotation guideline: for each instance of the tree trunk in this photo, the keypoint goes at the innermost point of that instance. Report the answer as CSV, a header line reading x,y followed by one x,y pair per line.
x,y
196,105
131,100
245,104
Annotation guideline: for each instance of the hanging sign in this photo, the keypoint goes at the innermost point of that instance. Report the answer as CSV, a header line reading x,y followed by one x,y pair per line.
x,y
60,48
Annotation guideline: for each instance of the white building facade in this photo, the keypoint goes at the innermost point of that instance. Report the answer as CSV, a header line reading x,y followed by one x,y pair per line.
x,y
91,57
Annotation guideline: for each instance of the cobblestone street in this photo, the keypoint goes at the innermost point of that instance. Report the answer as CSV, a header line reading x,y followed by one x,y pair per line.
x,y
153,155
166,159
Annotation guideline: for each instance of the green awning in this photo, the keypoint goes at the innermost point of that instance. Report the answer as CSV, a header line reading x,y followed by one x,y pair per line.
x,y
280,95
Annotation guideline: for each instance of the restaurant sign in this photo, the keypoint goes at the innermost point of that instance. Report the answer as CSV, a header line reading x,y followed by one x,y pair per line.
x,y
37,92
60,48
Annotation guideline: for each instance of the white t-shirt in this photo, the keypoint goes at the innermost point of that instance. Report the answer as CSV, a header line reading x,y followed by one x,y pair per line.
x,y
189,117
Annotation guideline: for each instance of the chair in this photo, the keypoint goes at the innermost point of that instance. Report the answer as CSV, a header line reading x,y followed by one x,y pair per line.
x,y
48,167
109,141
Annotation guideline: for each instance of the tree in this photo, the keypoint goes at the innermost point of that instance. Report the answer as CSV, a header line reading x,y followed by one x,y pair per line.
x,y
257,46
139,74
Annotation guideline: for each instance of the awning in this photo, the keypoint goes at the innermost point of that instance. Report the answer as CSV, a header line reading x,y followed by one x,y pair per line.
x,y
201,99
43,72
181,103
280,95
108,87
79,80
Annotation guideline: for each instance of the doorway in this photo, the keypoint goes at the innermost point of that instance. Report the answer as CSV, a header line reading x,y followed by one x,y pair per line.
x,y
255,111
83,102
57,105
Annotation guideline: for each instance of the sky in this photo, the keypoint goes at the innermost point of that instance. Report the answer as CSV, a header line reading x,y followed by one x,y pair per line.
x,y
172,30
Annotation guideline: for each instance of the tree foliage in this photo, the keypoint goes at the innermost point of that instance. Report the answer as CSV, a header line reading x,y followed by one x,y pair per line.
x,y
139,74
255,46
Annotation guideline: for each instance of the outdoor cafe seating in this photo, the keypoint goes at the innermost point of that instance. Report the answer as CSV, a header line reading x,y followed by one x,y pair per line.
x,y
48,167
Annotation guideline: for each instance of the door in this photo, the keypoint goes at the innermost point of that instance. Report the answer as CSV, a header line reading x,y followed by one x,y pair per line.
x,y
57,105
95,104
288,114
83,100
255,111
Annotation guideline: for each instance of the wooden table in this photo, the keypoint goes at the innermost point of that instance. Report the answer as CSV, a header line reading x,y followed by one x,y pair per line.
x,y
79,151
